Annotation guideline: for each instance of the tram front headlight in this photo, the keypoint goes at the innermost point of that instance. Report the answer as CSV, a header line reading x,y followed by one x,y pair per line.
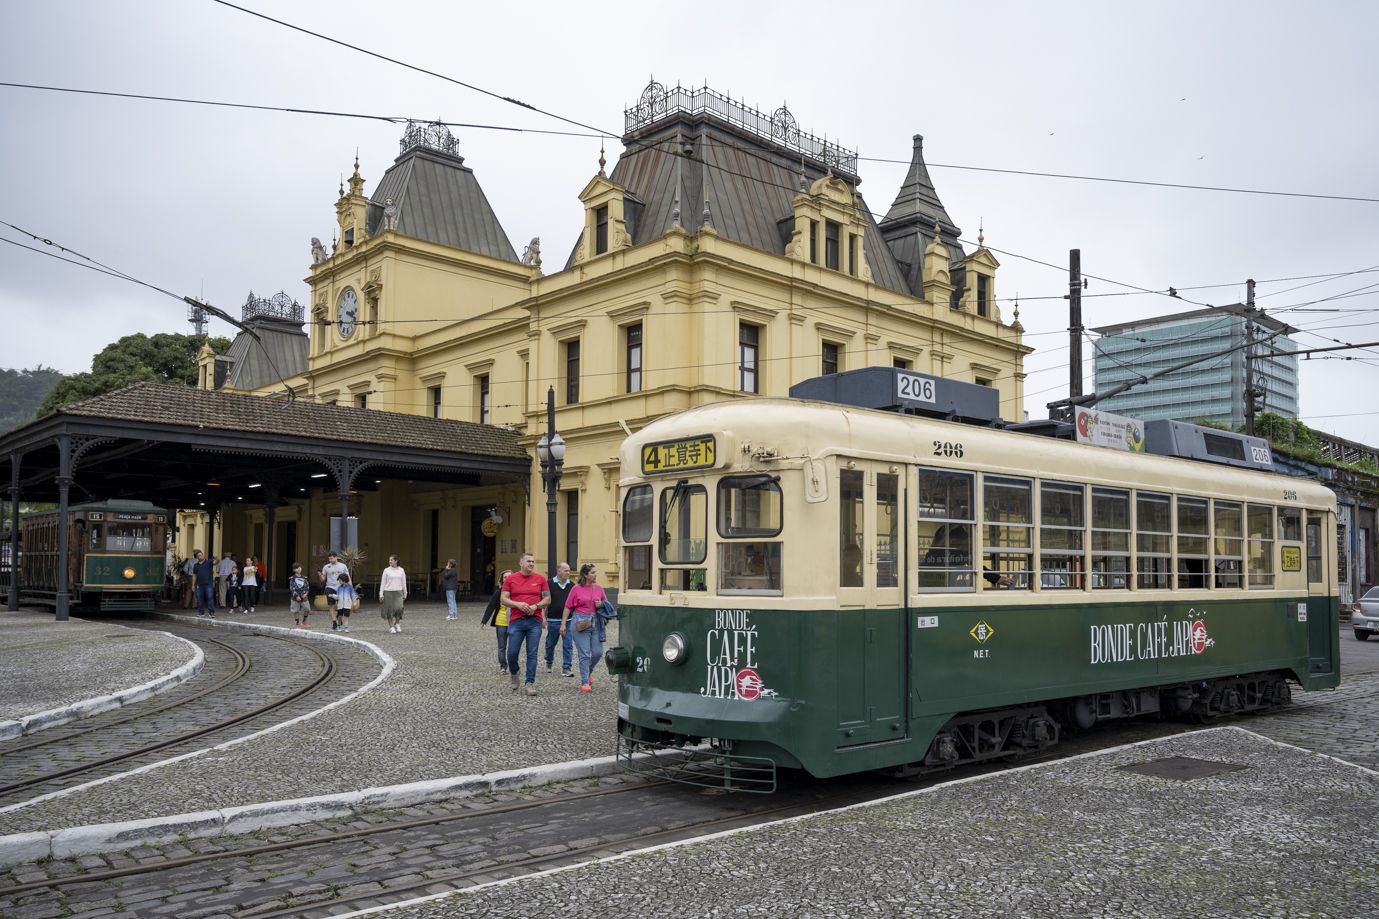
x,y
129,574
675,649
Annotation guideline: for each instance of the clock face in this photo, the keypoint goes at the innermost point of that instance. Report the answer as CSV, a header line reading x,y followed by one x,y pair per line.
x,y
348,312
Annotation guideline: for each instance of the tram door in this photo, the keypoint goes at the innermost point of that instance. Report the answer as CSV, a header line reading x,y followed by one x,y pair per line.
x,y
1321,584
872,671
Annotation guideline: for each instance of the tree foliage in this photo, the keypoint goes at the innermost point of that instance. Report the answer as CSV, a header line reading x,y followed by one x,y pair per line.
x,y
162,358
22,392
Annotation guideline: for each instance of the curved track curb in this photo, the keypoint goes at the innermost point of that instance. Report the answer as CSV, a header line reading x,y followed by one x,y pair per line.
x,y
374,651
109,837
18,727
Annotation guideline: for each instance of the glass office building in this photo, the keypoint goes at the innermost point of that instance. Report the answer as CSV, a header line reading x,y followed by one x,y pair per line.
x,y
1212,390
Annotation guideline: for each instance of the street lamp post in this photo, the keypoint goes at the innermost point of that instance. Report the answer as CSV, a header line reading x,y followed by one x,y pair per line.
x,y
550,449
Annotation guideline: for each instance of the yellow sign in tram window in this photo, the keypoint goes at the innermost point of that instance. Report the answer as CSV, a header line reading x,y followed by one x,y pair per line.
x,y
1292,558
679,455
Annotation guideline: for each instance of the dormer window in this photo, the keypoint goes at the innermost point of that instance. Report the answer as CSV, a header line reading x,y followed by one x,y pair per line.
x,y
349,238
601,230
983,293
831,231
813,242
852,254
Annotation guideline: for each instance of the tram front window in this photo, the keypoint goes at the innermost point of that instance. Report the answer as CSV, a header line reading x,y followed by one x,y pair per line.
x,y
128,538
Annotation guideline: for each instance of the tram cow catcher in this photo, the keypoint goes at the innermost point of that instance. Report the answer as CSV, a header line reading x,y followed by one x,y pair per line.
x,y
854,584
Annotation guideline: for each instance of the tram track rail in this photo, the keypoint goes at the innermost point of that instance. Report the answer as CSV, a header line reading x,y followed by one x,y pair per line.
x,y
754,810
326,669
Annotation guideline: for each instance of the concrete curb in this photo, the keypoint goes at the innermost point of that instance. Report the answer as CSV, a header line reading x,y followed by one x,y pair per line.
x,y
110,837
374,651
18,727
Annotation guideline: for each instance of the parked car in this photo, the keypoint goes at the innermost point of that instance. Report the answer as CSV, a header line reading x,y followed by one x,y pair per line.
x,y
1364,616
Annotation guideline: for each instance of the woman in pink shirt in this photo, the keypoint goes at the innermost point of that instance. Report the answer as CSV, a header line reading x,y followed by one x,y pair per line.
x,y
392,590
582,605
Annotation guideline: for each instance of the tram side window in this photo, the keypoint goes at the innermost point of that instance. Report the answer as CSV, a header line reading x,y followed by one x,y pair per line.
x,y
1110,539
1153,541
944,530
1314,549
1290,524
684,535
1008,527
1062,535
96,531
749,506
887,529
1259,545
850,508
636,528
1227,528
1194,547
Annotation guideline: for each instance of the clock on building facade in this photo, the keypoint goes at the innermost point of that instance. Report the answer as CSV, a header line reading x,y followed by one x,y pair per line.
x,y
347,313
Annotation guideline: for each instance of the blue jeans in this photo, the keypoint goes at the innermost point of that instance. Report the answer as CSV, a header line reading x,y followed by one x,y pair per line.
x,y
205,598
525,630
567,648
450,603
502,631
590,650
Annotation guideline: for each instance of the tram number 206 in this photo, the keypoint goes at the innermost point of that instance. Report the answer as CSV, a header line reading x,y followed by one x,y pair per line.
x,y
947,448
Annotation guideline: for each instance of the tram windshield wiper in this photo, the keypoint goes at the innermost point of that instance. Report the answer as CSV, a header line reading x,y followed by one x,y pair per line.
x,y
675,494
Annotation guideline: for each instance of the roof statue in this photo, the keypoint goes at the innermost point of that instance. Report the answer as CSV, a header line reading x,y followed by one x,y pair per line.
x,y
389,215
318,251
532,254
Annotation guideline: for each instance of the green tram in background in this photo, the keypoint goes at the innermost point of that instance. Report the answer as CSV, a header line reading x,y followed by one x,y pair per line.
x,y
117,554
822,586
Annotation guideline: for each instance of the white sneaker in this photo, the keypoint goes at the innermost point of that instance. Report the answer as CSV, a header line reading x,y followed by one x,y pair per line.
x,y
399,627
392,630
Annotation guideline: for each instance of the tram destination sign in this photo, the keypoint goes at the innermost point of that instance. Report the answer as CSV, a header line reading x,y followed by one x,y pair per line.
x,y
679,455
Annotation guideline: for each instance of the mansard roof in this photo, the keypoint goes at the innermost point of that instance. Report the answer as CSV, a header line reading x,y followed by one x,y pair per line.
x,y
279,353
438,199
750,183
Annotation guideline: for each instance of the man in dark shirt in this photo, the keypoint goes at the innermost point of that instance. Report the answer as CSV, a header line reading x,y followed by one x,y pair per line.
x,y
203,575
560,589
525,593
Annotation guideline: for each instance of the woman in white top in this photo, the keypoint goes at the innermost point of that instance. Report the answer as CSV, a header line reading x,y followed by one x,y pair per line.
x,y
392,590
250,584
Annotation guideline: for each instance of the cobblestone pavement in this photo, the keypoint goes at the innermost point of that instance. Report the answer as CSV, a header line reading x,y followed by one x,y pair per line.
x,y
45,664
1276,838
260,670
1285,836
444,711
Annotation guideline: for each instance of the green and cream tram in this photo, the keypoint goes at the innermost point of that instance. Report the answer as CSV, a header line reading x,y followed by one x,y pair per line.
x,y
117,554
817,586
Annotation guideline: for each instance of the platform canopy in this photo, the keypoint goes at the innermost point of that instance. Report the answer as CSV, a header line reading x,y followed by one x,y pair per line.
x,y
193,449
186,448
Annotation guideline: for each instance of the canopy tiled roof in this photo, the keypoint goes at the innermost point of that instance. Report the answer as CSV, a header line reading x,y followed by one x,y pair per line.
x,y
185,406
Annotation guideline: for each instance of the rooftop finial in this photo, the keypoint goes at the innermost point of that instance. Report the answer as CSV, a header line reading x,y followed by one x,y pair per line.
x,y
342,185
707,215
602,161
981,232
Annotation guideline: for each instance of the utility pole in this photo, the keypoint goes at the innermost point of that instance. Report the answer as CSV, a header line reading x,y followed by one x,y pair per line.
x,y
1252,392
1074,323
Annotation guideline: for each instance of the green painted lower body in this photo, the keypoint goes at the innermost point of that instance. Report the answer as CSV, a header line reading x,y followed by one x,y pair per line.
x,y
839,691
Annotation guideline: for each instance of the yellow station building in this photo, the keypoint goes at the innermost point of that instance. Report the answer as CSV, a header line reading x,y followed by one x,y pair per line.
x,y
727,255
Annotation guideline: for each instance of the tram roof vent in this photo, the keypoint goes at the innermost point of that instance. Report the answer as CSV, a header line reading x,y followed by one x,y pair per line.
x,y
1193,441
895,390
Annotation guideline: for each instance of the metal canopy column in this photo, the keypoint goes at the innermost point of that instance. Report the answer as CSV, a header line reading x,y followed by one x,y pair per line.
x,y
345,469
64,485
270,507
15,457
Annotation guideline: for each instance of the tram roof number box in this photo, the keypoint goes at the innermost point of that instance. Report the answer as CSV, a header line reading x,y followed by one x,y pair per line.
x,y
679,455
904,391
1193,441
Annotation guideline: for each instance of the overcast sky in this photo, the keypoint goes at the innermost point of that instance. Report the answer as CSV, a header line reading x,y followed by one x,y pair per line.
x,y
216,202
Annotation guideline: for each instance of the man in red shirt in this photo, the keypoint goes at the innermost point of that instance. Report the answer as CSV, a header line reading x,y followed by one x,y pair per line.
x,y
526,594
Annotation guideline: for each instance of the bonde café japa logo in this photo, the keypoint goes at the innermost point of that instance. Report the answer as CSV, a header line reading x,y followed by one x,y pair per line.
x,y
731,651
1120,642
